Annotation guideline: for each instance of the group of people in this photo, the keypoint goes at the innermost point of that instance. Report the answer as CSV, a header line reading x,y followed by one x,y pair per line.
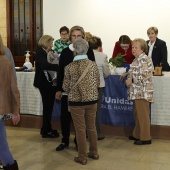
x,y
81,68
79,103
156,49
80,99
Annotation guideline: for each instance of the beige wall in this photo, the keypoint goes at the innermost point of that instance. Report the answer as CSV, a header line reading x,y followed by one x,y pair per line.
x,y
3,27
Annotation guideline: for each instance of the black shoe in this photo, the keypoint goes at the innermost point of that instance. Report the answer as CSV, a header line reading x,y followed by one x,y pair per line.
x,y
132,138
100,137
49,134
55,132
14,166
142,142
62,146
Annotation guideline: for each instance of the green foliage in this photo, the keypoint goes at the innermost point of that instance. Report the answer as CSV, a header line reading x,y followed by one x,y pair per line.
x,y
118,61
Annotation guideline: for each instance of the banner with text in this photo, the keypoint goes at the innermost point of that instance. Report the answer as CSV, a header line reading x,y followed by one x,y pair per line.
x,y
116,110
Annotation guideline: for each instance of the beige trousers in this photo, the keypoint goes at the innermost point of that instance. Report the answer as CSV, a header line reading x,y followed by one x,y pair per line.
x,y
142,119
84,118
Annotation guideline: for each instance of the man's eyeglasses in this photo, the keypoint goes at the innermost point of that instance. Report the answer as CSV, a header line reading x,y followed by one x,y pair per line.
x,y
64,34
76,36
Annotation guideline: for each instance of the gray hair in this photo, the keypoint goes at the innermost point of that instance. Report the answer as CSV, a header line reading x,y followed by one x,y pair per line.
x,y
81,46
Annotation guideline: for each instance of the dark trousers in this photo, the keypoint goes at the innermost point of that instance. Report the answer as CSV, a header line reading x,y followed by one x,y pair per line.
x,y
48,97
65,119
98,110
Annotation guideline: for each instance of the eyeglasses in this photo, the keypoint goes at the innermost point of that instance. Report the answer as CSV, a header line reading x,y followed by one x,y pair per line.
x,y
76,36
63,34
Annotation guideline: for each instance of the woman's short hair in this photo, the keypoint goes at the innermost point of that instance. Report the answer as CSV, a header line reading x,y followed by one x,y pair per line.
x,y
45,41
64,28
124,39
152,28
78,28
2,50
143,44
81,46
95,42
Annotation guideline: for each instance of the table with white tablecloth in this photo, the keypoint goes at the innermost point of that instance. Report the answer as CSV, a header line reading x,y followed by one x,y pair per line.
x,y
30,98
31,102
160,109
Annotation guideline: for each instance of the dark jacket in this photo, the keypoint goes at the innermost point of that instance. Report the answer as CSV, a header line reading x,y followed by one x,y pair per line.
x,y
159,54
66,58
41,64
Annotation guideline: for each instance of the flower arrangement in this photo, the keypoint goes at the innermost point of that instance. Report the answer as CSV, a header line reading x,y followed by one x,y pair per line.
x,y
118,61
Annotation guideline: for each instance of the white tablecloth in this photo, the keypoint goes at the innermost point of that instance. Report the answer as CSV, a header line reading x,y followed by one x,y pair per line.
x,y
160,109
31,102
30,98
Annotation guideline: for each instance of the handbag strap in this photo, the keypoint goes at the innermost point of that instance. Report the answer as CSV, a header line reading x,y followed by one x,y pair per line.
x,y
83,75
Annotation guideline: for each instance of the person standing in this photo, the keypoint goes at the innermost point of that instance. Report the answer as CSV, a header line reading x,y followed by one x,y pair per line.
x,y
95,43
81,82
66,58
9,103
157,49
140,90
124,47
44,83
61,43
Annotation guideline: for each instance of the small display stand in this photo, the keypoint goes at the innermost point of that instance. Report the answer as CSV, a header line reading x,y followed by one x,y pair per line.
x,y
158,71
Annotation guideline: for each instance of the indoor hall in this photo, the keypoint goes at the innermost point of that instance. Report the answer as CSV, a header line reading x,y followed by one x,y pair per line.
x,y
116,151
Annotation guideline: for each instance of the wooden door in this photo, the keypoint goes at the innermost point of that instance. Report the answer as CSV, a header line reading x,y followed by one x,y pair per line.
x,y
24,28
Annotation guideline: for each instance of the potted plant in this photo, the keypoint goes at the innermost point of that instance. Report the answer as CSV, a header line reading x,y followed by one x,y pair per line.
x,y
117,64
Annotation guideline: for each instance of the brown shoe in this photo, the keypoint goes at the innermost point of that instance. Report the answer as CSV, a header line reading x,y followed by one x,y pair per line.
x,y
80,161
93,156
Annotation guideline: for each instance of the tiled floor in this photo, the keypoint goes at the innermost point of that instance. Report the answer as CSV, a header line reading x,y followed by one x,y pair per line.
x,y
116,153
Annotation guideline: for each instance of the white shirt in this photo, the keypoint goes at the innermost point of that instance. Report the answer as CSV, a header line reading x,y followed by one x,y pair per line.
x,y
150,48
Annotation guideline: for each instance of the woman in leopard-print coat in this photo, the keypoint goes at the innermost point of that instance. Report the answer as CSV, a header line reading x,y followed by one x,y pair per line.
x,y
82,100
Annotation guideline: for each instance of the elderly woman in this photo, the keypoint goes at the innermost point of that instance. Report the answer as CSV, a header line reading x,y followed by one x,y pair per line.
x,y
44,83
82,98
124,47
9,103
157,49
66,57
140,90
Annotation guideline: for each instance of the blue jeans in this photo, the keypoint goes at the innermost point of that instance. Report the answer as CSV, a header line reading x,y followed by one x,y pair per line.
x,y
5,154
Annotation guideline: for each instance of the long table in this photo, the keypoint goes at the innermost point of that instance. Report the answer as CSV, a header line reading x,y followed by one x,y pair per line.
x,y
115,109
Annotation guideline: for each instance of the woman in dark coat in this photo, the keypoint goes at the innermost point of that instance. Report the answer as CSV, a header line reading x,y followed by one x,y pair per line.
x,y
44,83
157,49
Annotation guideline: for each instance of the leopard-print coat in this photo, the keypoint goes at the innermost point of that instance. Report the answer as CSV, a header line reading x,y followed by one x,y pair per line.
x,y
87,88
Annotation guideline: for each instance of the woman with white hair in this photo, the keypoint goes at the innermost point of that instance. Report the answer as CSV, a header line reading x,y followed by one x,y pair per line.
x,y
81,82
